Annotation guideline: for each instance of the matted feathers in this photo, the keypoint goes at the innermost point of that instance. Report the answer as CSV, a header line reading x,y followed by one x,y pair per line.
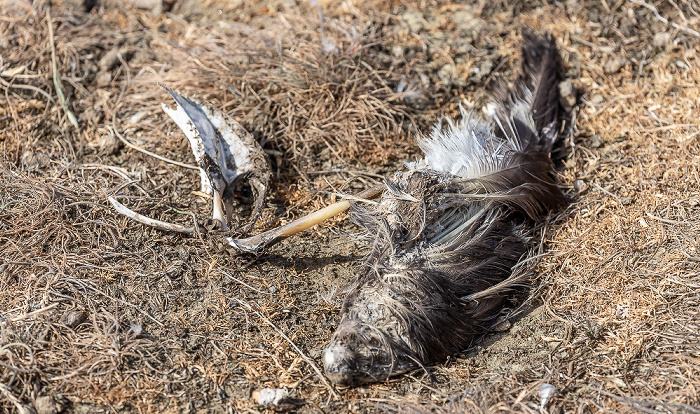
x,y
448,232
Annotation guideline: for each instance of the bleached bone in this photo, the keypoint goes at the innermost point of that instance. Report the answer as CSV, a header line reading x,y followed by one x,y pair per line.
x,y
226,154
162,225
257,243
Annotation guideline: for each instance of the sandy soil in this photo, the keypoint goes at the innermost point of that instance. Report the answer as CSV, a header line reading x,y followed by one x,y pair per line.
x,y
100,314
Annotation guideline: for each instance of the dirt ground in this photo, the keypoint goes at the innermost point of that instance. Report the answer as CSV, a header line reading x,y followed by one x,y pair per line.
x,y
100,314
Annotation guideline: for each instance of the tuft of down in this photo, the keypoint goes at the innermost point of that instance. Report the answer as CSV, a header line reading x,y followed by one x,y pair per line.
x,y
226,154
448,232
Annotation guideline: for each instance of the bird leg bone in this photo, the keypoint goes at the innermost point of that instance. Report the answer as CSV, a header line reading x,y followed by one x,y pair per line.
x,y
218,213
257,243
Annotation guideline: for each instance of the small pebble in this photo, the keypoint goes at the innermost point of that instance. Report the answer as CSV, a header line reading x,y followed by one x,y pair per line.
x,y
448,74
103,78
597,99
155,6
682,65
503,326
35,160
466,20
108,144
73,318
109,60
614,64
413,20
662,39
546,392
579,185
267,396
619,383
46,405
567,95
397,51
595,141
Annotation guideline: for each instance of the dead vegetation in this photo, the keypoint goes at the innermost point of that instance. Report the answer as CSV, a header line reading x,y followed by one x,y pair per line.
x,y
100,314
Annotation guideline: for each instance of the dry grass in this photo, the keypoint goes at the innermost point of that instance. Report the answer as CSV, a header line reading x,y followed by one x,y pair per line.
x,y
102,315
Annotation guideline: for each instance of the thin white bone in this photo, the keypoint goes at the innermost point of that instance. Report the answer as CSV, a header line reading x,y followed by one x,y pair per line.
x,y
179,116
162,225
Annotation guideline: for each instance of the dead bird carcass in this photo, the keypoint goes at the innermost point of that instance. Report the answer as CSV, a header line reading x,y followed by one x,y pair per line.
x,y
447,233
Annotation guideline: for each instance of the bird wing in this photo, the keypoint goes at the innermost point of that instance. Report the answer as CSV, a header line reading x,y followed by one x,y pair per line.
x,y
225,151
204,141
239,149
241,157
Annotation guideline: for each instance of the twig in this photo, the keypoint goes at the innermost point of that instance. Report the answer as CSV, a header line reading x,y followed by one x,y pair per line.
x,y
616,197
690,257
243,283
356,172
122,172
28,87
667,127
640,405
665,20
33,313
663,220
56,79
16,369
147,152
301,354
607,104
162,225
604,49
348,197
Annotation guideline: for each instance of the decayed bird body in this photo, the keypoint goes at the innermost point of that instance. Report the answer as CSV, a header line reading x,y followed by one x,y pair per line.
x,y
447,232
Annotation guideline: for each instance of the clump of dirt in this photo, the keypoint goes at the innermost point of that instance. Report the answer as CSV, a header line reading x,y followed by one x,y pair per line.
x,y
100,314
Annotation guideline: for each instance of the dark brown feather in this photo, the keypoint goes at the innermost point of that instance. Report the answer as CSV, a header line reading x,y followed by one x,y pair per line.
x,y
540,75
537,87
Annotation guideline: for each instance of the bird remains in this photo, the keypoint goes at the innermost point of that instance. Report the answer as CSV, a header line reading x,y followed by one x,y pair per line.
x,y
446,233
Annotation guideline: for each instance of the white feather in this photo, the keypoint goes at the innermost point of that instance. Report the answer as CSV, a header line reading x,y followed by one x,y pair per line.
x,y
466,149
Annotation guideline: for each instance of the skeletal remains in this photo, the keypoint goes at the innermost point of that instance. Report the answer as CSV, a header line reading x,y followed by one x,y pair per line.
x,y
446,233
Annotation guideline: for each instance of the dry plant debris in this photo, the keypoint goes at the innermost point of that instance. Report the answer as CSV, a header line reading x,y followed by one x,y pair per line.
x,y
100,315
